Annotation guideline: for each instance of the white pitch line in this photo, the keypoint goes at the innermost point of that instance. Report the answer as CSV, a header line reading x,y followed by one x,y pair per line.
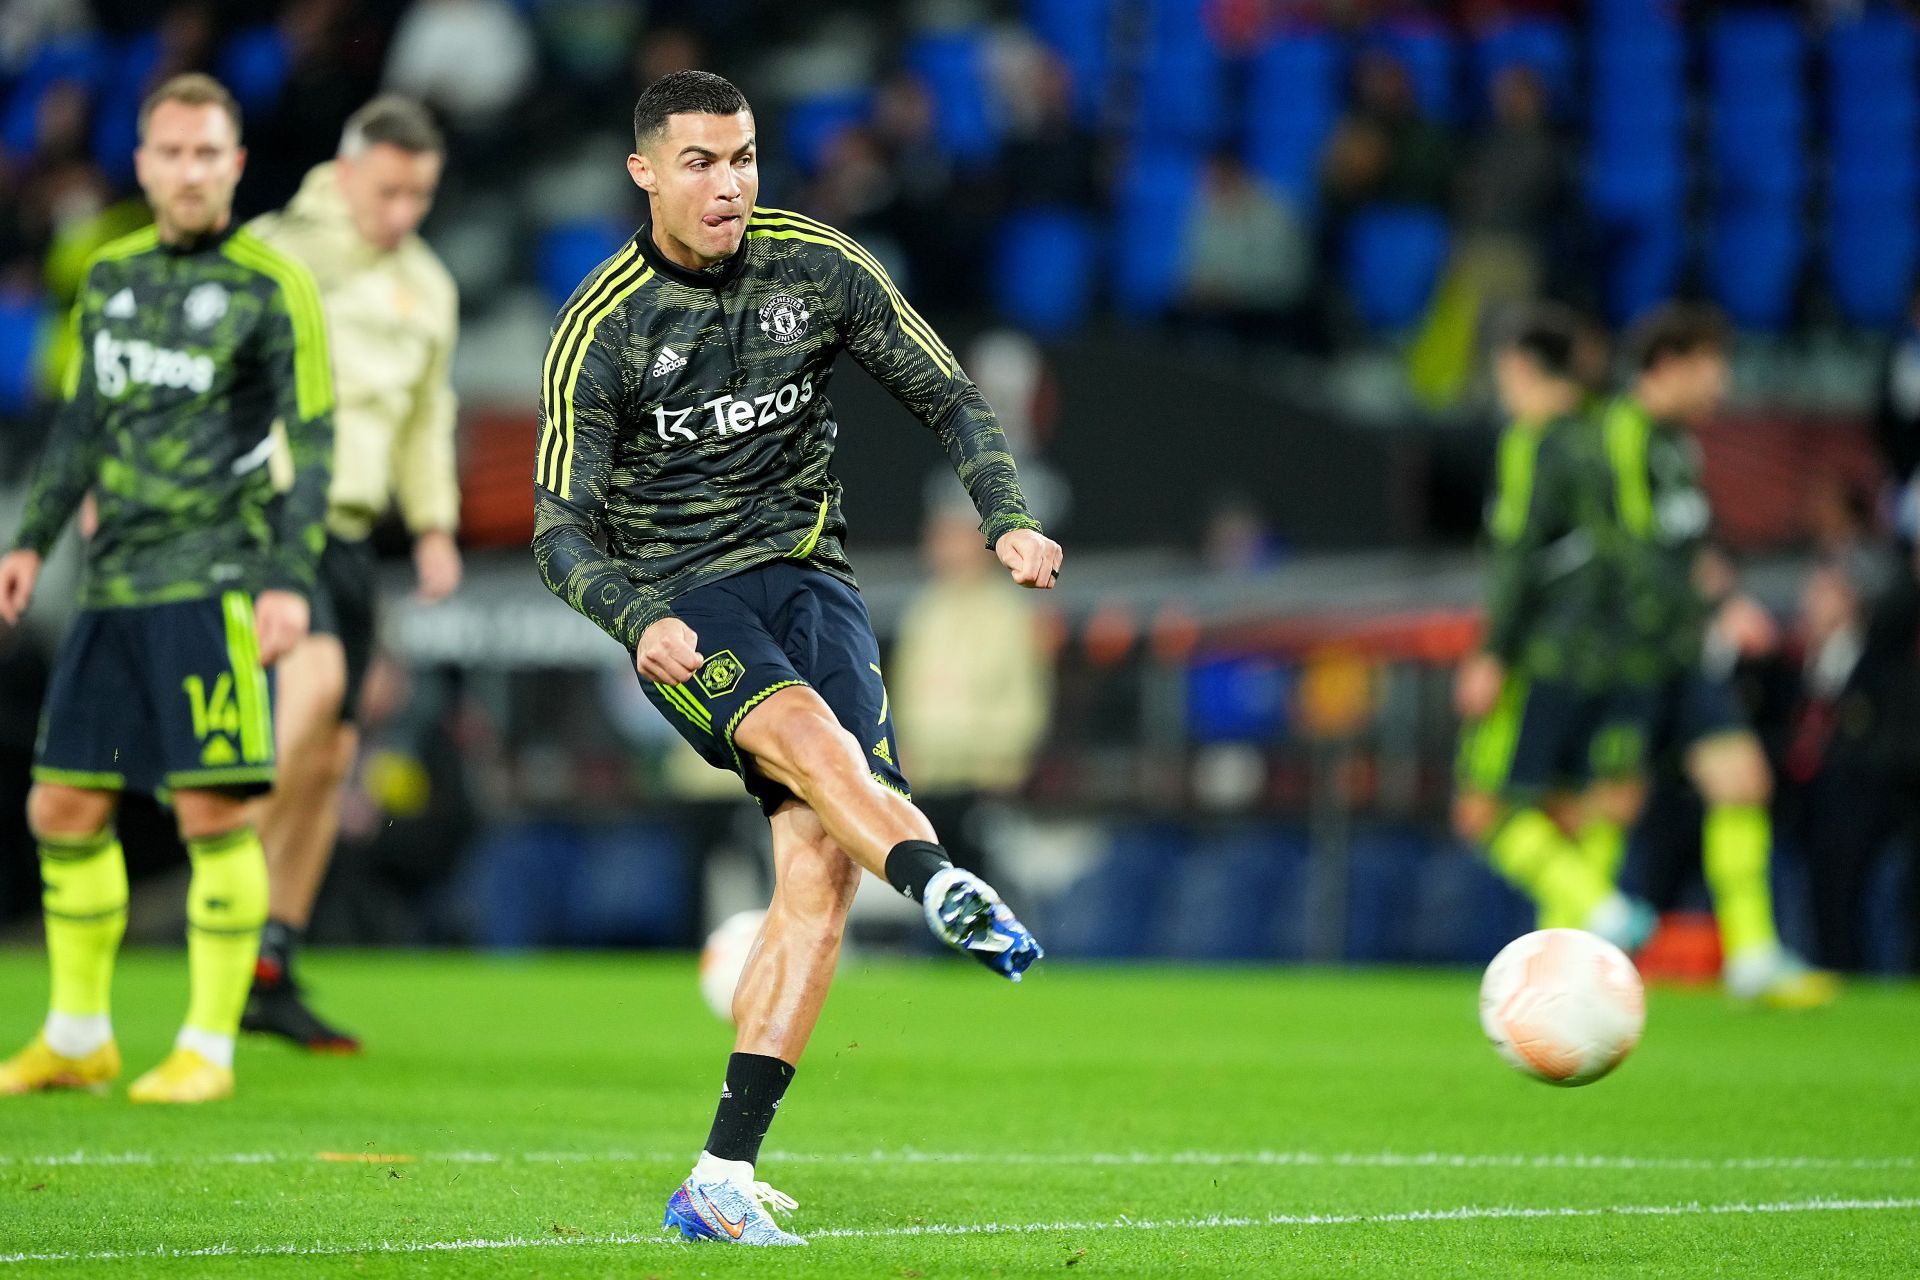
x,y
910,1156
1465,1213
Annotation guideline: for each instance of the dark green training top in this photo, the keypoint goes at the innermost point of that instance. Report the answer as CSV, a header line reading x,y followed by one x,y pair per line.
x,y
1549,601
186,357
684,422
1663,519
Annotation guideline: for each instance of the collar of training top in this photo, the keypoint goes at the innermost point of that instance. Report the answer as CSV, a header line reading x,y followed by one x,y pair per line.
x,y
713,278
202,243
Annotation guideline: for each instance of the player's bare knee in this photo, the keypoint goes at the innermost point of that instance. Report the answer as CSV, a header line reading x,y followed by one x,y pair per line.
x,y
55,810
201,814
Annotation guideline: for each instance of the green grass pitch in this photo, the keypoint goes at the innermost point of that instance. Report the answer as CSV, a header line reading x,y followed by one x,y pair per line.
x,y
530,1117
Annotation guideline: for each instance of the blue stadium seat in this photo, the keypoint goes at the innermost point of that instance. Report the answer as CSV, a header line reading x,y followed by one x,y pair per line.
x,y
1391,261
1046,265
1383,876
1755,255
1237,700
1426,49
567,251
1757,92
1872,251
633,886
811,123
1183,95
1465,912
1293,101
1543,44
20,318
518,878
1100,915
1154,197
1079,32
1873,94
254,66
1874,171
80,59
950,64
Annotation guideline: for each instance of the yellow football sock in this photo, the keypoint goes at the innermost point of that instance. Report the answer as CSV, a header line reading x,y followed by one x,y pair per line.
x,y
1736,842
1531,851
1604,845
226,905
84,899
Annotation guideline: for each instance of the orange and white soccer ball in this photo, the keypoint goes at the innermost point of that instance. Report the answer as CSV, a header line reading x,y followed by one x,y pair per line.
x,y
724,957
1563,1005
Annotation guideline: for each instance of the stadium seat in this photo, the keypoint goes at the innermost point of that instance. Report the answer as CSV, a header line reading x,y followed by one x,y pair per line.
x,y
1872,250
20,320
1638,203
1182,95
950,65
518,877
1099,916
810,123
1391,260
1045,268
1293,101
1543,44
1078,31
1755,255
1237,700
567,252
81,60
1383,877
1426,49
634,886
254,66
1757,94
1465,912
1154,195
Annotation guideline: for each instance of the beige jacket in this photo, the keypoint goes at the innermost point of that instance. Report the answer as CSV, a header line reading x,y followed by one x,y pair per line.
x,y
392,319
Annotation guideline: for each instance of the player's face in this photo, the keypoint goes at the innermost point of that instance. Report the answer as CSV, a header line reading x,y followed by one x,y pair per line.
x,y
1701,380
188,165
1526,392
703,173
389,192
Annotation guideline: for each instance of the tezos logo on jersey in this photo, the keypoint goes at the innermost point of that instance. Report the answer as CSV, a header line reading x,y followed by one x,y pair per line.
x,y
784,319
205,305
117,365
732,416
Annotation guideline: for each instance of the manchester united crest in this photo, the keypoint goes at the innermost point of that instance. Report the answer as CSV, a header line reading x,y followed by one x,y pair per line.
x,y
784,319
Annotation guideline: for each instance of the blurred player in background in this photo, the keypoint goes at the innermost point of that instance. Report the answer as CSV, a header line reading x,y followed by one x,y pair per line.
x,y
1669,705
193,338
685,430
1537,695
392,312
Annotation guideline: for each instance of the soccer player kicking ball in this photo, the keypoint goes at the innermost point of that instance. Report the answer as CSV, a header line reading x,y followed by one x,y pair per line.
x,y
684,420
193,338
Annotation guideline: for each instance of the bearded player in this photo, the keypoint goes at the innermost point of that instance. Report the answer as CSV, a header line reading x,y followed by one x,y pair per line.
x,y
685,428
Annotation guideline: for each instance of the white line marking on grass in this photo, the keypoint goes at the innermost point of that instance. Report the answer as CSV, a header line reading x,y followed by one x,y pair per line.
x,y
1465,1213
910,1156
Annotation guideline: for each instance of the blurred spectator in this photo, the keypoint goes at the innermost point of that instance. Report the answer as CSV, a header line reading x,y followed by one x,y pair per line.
x,y
1897,420
1246,259
1846,761
1050,159
1385,150
471,59
1236,539
1512,192
971,680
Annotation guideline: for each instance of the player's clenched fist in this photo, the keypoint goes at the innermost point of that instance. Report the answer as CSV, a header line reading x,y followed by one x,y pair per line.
x,y
19,570
1033,557
669,652
279,623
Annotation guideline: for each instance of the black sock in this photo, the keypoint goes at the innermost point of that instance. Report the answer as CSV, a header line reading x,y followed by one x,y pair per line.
x,y
754,1086
911,863
278,940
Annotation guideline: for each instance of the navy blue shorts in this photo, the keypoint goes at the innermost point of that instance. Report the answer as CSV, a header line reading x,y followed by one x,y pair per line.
x,y
163,697
1540,736
771,628
1649,723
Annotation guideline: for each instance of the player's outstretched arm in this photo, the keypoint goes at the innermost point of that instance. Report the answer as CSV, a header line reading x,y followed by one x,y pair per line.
x,y
900,350
572,468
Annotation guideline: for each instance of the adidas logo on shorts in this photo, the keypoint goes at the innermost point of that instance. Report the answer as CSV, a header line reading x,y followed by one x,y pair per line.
x,y
666,362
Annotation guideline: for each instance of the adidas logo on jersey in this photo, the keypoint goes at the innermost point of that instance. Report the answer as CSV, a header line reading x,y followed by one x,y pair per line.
x,y
666,362
120,306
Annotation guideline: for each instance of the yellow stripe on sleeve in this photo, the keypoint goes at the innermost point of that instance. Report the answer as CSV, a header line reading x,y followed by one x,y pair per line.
x,y
312,364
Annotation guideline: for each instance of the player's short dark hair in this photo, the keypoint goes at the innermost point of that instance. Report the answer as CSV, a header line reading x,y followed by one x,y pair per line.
x,y
683,93
392,120
1677,329
193,89
1554,338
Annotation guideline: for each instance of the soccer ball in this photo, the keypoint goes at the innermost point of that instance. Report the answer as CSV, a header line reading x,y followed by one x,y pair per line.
x,y
724,957
1563,1005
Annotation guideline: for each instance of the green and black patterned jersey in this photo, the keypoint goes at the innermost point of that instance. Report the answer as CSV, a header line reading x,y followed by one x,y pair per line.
x,y
1549,605
684,422
187,357
1664,519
